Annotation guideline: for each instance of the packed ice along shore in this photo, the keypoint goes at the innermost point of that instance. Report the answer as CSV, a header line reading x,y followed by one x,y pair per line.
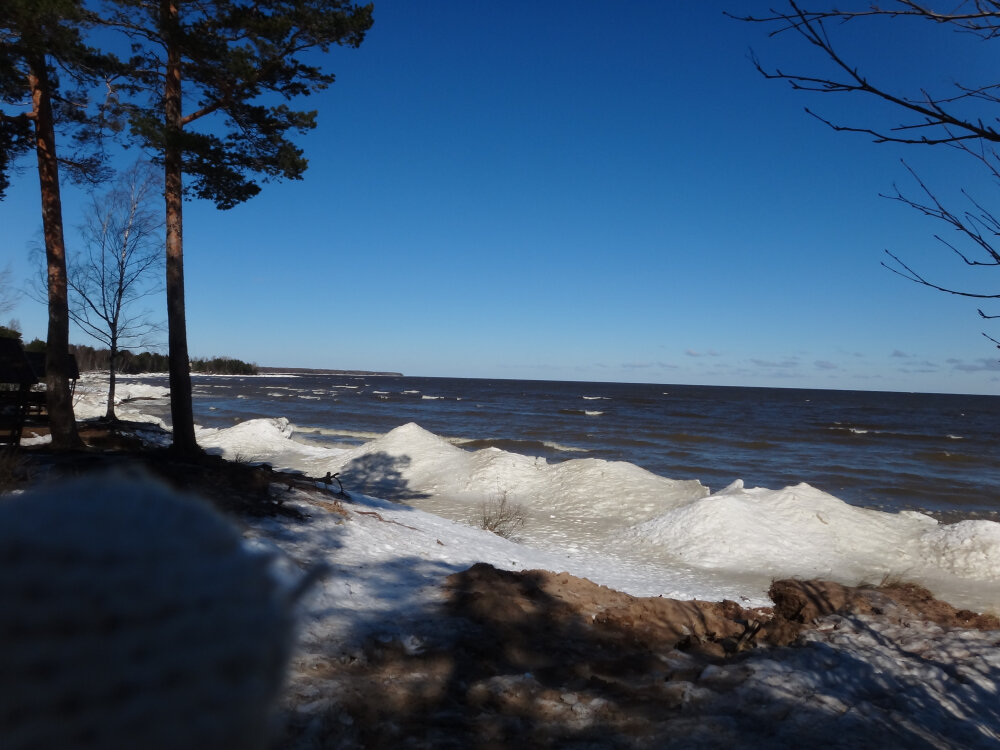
x,y
854,682
619,525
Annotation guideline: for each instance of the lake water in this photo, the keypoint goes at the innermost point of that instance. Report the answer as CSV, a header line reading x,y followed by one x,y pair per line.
x,y
891,451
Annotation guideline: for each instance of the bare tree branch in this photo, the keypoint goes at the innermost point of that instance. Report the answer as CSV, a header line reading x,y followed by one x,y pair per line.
x,y
123,238
926,118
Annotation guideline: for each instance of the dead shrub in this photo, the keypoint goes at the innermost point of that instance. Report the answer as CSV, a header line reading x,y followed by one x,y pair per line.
x,y
501,516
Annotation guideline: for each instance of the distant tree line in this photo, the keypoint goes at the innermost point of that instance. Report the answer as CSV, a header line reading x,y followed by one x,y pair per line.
x,y
130,363
222,366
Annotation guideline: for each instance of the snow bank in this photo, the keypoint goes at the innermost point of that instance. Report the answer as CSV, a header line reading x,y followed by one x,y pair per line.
x,y
668,537
803,532
90,398
653,535
388,562
267,440
589,494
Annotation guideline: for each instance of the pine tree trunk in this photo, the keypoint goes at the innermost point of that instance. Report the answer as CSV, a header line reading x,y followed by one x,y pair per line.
x,y
62,421
181,408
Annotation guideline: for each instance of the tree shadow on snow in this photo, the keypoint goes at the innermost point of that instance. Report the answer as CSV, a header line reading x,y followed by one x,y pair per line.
x,y
380,475
501,662
512,660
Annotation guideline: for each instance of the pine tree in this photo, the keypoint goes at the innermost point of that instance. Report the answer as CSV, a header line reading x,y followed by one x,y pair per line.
x,y
216,75
40,40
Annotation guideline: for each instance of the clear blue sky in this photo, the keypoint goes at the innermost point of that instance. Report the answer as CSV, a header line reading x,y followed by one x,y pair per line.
x,y
581,190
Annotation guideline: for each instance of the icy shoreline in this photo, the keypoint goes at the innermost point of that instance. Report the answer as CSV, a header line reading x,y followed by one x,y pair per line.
x,y
367,660
620,525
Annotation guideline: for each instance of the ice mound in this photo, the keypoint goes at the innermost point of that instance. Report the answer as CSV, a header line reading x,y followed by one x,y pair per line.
x,y
267,440
739,537
132,391
967,548
587,487
90,399
803,531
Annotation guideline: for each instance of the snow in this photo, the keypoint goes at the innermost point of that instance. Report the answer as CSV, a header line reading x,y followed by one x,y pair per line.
x,y
91,394
609,521
626,528
654,535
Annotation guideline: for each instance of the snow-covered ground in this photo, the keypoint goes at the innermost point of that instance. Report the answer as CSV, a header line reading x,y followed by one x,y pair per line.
x,y
639,533
612,522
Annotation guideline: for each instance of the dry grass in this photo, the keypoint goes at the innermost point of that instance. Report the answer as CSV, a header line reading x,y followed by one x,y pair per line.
x,y
501,516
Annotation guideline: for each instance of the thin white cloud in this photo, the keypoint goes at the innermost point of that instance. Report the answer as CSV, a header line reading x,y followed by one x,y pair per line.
x,y
979,365
770,364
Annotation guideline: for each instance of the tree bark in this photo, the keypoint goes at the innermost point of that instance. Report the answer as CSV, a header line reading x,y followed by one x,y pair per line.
x,y
181,408
62,421
109,414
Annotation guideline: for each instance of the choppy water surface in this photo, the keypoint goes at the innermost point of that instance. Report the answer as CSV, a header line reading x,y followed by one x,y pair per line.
x,y
887,450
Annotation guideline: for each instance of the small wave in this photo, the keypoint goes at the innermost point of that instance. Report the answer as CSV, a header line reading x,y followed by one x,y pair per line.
x,y
946,457
688,415
432,398
852,430
687,437
596,398
581,412
523,447
411,393
758,445
891,434
564,448
593,413
352,434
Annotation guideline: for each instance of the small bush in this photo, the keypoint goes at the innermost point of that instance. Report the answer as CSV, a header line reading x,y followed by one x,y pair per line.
x,y
501,516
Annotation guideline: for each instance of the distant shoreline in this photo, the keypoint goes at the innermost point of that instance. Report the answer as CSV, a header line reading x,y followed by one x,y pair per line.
x,y
312,371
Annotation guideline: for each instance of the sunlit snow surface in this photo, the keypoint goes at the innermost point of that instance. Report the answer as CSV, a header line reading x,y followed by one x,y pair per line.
x,y
612,522
621,526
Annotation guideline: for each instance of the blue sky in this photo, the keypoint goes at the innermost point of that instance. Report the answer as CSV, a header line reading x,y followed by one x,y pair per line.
x,y
581,190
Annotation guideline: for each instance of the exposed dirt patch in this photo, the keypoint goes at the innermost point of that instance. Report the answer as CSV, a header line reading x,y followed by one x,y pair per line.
x,y
540,659
234,488
799,603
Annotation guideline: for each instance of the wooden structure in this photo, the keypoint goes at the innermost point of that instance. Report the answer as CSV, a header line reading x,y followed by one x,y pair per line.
x,y
17,376
20,402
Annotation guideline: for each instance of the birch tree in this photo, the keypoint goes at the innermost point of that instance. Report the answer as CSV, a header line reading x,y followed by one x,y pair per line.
x,y
122,249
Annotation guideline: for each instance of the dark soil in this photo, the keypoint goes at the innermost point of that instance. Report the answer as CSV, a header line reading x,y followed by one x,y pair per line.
x,y
540,659
234,488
